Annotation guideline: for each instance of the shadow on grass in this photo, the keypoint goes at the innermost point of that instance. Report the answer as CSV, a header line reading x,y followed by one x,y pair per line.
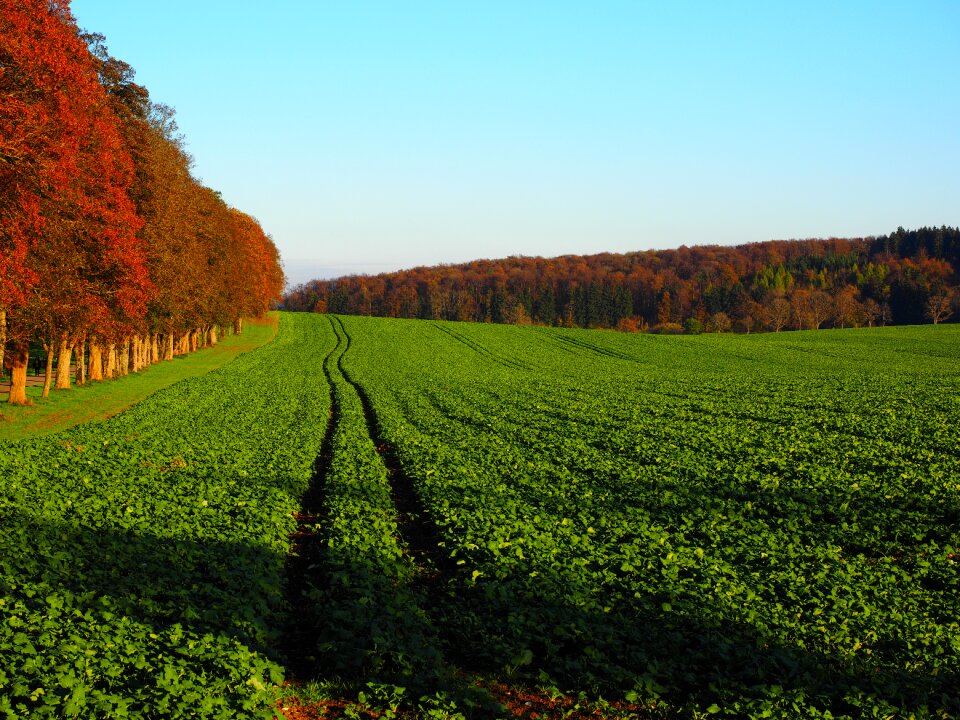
x,y
535,632
538,629
156,622
100,621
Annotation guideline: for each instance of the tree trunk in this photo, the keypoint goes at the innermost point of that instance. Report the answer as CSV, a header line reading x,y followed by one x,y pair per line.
x,y
238,326
48,373
81,366
64,357
3,337
125,357
111,361
155,348
18,359
95,366
135,354
212,335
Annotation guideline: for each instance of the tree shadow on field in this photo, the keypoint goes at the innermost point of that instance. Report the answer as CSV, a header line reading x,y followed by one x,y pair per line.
x,y
617,637
161,622
537,630
561,625
133,621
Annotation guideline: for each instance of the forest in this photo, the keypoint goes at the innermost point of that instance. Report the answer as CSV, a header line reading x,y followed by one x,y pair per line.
x,y
906,277
112,255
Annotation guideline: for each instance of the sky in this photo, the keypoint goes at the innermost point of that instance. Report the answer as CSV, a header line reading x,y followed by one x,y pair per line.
x,y
374,136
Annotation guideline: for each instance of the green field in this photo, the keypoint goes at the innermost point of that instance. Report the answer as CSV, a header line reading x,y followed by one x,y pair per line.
x,y
98,401
642,525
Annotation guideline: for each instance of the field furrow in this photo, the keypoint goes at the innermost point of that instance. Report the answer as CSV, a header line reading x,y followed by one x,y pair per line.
x,y
142,558
725,524
366,602
414,518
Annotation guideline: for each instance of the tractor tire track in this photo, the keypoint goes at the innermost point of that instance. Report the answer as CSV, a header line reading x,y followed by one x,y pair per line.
x,y
478,348
299,640
418,532
575,345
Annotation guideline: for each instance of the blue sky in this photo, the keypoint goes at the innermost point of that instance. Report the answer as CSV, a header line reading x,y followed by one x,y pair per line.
x,y
372,136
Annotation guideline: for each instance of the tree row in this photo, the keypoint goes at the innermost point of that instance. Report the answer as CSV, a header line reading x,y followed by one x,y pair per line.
x,y
112,255
905,277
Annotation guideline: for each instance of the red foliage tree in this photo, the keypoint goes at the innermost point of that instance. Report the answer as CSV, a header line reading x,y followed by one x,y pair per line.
x,y
65,213
106,240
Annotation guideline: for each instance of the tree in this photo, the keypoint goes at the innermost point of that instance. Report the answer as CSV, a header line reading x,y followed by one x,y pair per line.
x,y
106,240
42,72
846,309
776,314
871,311
256,281
69,175
811,308
664,309
821,308
720,322
660,286
628,324
939,305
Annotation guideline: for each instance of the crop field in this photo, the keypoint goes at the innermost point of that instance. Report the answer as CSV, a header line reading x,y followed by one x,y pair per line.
x,y
142,558
446,520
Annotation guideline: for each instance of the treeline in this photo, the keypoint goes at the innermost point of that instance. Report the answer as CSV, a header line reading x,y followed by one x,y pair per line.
x,y
906,277
112,255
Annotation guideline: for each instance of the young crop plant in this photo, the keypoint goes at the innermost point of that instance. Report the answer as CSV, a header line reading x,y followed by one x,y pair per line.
x,y
141,558
592,522
744,526
370,623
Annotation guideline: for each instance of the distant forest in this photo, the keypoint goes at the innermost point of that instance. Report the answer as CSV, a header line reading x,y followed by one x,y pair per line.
x,y
907,277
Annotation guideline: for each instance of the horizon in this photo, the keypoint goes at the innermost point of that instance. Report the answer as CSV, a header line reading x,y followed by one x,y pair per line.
x,y
351,273
376,136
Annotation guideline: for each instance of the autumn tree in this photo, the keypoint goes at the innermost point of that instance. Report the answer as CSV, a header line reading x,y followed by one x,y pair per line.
x,y
719,322
810,308
107,243
871,311
833,278
847,310
663,308
41,75
939,306
820,308
256,280
776,314
69,175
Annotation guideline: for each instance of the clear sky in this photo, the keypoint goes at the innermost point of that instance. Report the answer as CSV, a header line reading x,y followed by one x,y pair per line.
x,y
373,136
